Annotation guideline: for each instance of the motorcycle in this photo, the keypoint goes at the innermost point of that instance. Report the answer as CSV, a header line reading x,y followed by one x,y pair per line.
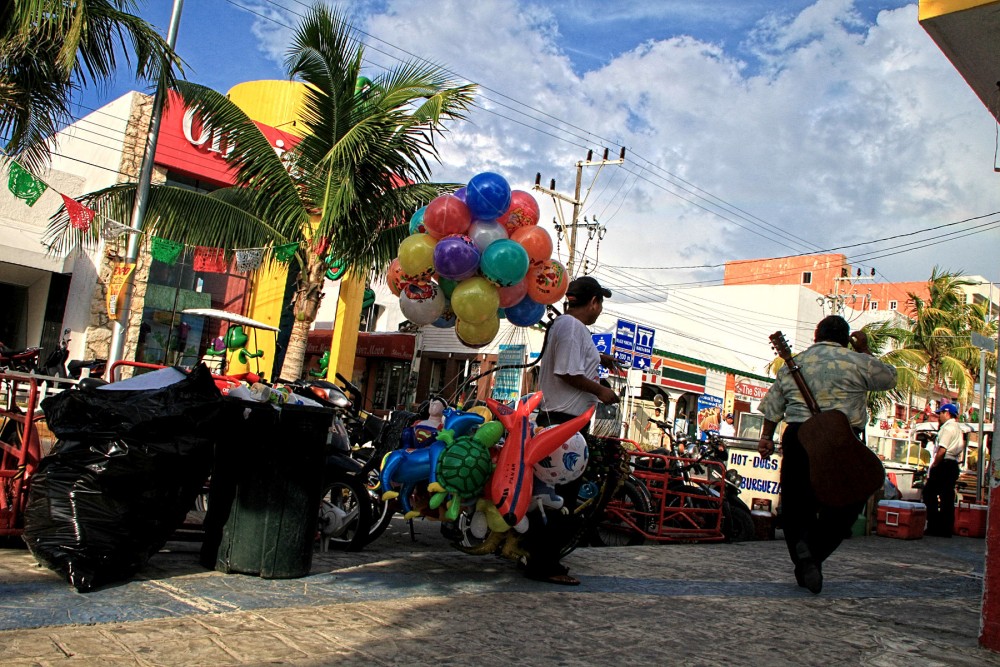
x,y
24,360
55,363
737,520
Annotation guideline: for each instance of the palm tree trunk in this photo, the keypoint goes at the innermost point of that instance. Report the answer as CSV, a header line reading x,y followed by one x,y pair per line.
x,y
308,296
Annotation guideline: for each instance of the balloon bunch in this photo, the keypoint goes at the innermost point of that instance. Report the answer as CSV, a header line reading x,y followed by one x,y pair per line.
x,y
474,257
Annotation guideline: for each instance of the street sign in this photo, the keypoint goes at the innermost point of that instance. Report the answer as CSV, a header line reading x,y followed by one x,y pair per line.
x,y
644,341
642,363
602,342
624,342
982,342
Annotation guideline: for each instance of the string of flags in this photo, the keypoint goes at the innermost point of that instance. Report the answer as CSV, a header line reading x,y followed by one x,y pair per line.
x,y
29,188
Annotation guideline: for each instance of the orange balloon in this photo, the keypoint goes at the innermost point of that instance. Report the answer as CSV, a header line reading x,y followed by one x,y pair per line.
x,y
547,282
393,275
536,241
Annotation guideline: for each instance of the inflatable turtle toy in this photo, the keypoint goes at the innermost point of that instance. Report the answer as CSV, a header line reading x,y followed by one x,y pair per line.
x,y
464,467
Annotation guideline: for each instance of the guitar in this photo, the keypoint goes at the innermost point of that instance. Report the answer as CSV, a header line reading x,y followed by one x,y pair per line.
x,y
842,469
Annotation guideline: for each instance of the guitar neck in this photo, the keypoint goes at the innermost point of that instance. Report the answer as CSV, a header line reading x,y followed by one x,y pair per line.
x,y
781,347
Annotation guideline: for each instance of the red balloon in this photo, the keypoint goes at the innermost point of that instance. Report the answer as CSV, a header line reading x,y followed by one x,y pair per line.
x,y
512,295
447,215
522,212
547,282
536,241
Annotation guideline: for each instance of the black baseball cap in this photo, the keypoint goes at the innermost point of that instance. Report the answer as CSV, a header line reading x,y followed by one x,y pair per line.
x,y
584,288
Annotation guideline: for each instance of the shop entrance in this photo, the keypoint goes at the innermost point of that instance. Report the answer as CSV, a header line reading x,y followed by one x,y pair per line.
x,y
14,315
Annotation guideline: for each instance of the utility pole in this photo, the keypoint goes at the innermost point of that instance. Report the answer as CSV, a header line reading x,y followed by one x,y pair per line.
x,y
575,200
837,300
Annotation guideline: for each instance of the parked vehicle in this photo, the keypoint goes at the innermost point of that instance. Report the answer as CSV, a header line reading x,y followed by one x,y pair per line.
x,y
56,365
23,360
677,495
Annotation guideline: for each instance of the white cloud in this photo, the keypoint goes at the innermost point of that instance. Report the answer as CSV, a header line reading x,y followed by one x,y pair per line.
x,y
825,130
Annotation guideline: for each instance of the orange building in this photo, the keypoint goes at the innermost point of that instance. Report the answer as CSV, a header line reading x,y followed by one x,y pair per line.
x,y
829,275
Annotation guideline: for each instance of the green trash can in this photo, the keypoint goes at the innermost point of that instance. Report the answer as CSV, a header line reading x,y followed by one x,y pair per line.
x,y
265,490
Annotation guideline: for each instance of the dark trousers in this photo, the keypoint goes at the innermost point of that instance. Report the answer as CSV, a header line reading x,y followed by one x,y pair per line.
x,y
939,496
549,531
803,519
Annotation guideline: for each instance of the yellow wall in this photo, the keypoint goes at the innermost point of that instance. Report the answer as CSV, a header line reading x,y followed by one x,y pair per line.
x,y
276,103
929,9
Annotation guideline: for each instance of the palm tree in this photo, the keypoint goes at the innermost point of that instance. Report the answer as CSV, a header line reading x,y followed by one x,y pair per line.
x,y
939,334
49,50
362,164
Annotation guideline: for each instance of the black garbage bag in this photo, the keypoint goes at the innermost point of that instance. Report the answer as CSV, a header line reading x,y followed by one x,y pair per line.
x,y
126,469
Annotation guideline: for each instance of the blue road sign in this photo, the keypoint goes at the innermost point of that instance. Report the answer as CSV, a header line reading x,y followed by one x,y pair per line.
x,y
644,341
642,363
625,335
602,342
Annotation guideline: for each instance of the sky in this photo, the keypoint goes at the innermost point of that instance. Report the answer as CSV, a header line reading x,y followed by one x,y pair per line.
x,y
752,128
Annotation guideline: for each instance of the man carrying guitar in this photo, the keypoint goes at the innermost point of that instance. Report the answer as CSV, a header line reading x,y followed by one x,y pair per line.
x,y
838,379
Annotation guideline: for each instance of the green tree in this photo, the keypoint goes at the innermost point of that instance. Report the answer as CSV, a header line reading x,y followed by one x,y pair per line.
x,y
50,50
343,191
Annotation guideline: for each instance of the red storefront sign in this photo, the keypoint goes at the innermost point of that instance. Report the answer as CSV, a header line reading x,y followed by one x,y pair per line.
x,y
386,345
750,391
186,145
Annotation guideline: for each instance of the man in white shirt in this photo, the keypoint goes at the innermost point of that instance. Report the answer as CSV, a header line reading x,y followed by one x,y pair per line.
x,y
939,491
726,428
570,385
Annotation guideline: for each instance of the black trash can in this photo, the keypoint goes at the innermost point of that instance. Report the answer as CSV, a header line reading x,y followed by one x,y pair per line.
x,y
265,490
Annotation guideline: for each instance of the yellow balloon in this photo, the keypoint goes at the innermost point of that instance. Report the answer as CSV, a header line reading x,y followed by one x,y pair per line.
x,y
475,300
416,254
477,334
482,411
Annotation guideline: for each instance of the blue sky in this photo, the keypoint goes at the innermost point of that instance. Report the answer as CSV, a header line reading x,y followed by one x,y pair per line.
x,y
754,128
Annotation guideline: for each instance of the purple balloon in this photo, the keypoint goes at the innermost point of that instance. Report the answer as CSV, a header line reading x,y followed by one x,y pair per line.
x,y
525,313
456,257
460,193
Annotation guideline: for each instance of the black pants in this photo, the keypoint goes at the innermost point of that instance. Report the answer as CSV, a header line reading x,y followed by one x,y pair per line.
x,y
939,496
549,531
803,519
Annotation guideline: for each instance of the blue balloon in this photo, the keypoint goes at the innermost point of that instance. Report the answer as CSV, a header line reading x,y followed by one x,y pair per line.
x,y
461,422
417,222
525,313
487,195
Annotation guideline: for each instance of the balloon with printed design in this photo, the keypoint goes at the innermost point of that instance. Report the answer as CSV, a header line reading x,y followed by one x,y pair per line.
x,y
522,212
484,233
504,263
393,276
417,221
525,313
566,463
422,304
512,294
487,195
547,282
474,334
447,215
475,300
535,241
456,257
416,255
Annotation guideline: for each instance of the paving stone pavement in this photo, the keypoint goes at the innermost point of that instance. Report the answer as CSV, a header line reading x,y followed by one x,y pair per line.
x,y
885,602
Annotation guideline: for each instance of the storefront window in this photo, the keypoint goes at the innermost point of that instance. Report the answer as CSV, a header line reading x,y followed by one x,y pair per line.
x,y
166,335
390,385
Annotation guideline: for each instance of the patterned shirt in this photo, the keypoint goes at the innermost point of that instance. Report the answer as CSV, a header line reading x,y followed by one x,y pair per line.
x,y
838,378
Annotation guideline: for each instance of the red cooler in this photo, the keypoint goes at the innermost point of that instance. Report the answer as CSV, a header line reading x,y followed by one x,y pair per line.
x,y
970,520
901,519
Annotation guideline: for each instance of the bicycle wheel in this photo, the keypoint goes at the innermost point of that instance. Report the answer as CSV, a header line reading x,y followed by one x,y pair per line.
x,y
345,514
737,523
605,473
631,500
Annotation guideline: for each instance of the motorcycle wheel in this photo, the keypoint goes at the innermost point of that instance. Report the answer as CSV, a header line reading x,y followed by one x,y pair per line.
x,y
631,499
737,523
345,514
382,510
694,498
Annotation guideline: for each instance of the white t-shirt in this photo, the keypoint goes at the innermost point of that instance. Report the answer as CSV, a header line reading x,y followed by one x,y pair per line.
x,y
570,350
